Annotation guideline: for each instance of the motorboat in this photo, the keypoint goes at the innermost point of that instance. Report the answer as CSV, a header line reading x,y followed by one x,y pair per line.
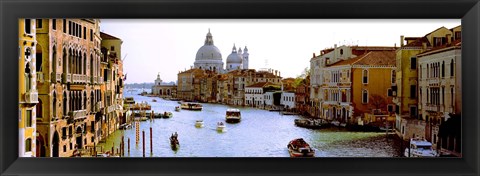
x,y
199,123
167,115
233,116
157,115
177,108
419,147
220,127
336,123
308,123
191,106
299,148
125,126
174,141
154,100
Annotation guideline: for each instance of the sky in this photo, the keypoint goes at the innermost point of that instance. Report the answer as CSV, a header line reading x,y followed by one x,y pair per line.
x,y
167,46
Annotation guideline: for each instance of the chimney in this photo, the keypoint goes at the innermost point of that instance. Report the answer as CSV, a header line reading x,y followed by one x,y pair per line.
x,y
449,38
314,55
402,39
395,45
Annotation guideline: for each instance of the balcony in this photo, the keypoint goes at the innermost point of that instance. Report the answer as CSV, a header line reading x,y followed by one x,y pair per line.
x,y
66,78
40,77
434,81
111,108
78,114
431,107
98,106
31,97
56,77
79,79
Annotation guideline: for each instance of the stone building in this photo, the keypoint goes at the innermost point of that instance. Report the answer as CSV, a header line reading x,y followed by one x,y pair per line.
x,y
439,80
29,144
185,88
163,90
69,78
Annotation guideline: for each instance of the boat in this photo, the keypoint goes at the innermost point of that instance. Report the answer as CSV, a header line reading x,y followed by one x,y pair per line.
x,y
177,108
308,123
336,123
299,148
154,100
220,127
288,113
199,123
125,126
174,141
419,147
167,114
157,115
233,116
129,100
191,106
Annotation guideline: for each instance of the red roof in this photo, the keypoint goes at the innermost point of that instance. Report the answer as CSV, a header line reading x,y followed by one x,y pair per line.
x,y
106,36
372,58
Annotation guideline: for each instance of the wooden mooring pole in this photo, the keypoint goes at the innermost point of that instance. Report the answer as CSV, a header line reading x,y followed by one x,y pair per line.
x,y
143,139
151,143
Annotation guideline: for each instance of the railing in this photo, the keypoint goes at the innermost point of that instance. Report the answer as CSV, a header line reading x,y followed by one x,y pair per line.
x,y
40,77
31,97
78,114
433,80
56,77
78,78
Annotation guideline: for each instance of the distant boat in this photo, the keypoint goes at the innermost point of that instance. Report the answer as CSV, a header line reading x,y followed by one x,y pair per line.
x,y
199,123
177,108
233,116
191,106
308,123
220,127
167,115
154,100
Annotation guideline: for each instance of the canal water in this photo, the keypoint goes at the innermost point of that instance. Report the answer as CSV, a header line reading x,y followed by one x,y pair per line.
x,y
260,133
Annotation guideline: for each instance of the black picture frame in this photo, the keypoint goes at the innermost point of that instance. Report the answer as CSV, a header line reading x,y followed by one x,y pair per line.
x,y
11,11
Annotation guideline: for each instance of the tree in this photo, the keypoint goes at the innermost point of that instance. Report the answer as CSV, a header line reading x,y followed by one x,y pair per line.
x,y
301,78
377,101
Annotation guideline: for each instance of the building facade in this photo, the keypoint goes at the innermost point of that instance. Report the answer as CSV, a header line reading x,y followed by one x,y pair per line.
x,y
163,90
27,91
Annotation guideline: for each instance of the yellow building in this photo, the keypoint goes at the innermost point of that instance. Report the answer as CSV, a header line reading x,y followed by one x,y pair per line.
x,y
406,86
359,85
27,89
185,88
68,60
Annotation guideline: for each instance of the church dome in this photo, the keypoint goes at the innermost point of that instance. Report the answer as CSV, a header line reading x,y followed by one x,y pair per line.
x,y
234,57
208,51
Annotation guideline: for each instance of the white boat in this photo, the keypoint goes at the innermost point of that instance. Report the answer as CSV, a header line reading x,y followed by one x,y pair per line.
x,y
233,116
336,123
191,106
220,127
420,147
300,148
199,123
177,108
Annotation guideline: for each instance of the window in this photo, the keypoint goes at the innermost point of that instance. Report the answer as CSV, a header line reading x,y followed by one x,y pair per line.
x,y
64,148
28,24
365,97
64,26
70,27
413,90
28,145
458,35
39,23
365,76
452,68
64,132
91,35
54,24
389,92
112,48
390,108
85,33
80,33
413,63
39,109
341,51
443,69
413,111
28,118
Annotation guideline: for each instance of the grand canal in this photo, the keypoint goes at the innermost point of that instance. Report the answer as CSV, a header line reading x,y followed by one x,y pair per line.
x,y
261,133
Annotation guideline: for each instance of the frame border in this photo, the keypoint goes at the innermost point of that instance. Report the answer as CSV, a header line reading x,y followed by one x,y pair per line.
x,y
467,10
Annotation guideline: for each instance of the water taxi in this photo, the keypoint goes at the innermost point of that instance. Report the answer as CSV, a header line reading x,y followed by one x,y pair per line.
x,y
420,147
233,116
300,148
308,123
191,106
199,123
220,127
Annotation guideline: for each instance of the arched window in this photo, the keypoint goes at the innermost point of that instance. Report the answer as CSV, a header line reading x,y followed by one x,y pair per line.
x,y
85,100
64,104
92,102
28,145
365,77
39,108
54,104
54,59
443,69
28,77
365,96
341,51
39,58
